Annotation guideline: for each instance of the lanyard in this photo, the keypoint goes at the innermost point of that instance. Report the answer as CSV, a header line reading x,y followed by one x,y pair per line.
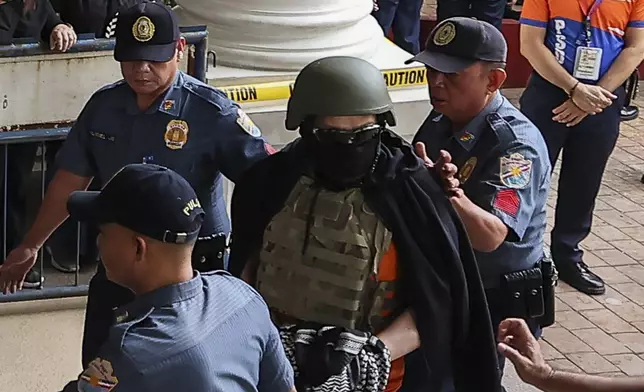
x,y
588,15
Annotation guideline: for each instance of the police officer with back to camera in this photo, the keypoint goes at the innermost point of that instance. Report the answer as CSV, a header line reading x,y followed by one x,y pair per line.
x,y
179,331
157,114
503,177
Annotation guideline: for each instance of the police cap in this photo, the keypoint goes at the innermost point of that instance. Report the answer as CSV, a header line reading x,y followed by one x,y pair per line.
x,y
457,43
149,199
339,86
147,31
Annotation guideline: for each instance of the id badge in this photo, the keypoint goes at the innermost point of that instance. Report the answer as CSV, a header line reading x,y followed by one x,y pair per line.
x,y
587,63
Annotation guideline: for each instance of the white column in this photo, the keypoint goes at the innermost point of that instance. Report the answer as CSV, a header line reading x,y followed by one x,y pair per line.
x,y
284,35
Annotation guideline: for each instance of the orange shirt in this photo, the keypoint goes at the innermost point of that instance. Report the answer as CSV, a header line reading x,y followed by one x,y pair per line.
x,y
563,22
388,272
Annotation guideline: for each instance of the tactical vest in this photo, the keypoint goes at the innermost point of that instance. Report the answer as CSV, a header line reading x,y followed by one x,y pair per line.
x,y
328,277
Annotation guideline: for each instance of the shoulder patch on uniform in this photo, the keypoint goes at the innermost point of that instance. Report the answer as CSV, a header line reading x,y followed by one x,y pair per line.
x,y
247,124
515,171
98,377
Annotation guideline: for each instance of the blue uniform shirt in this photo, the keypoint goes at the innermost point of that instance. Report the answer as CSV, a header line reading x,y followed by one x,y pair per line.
x,y
212,333
194,129
504,169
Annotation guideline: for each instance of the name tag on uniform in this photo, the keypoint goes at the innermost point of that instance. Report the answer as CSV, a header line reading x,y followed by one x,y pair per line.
x,y
102,136
587,63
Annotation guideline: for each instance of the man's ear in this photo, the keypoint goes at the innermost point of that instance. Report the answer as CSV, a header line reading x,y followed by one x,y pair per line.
x,y
181,47
141,248
496,78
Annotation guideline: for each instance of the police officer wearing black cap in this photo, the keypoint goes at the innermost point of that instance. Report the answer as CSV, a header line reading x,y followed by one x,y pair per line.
x,y
501,186
157,114
183,331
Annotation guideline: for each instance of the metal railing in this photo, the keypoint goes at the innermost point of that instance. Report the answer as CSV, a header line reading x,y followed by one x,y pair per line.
x,y
196,38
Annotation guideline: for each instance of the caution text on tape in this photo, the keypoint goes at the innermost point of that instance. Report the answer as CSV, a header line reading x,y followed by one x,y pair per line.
x,y
395,78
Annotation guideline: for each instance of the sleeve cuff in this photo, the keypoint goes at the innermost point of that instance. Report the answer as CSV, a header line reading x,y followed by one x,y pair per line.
x,y
533,22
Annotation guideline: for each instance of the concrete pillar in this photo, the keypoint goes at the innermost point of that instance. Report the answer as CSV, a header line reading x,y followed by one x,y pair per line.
x,y
284,35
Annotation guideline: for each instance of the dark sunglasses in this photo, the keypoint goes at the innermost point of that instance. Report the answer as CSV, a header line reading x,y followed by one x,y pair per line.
x,y
343,136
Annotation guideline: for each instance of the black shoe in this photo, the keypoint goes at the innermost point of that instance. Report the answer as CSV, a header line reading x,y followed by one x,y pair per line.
x,y
628,113
579,276
33,280
62,263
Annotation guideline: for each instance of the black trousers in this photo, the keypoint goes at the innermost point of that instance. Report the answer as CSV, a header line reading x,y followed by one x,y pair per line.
x,y
586,149
105,296
491,11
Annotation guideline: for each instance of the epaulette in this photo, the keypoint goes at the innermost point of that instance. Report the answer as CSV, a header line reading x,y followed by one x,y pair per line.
x,y
501,128
110,86
210,94
125,322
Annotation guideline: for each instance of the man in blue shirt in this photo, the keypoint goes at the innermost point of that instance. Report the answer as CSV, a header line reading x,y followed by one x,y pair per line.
x,y
504,172
184,331
157,114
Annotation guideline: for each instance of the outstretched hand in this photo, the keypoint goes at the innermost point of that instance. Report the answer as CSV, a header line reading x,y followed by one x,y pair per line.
x,y
518,345
444,167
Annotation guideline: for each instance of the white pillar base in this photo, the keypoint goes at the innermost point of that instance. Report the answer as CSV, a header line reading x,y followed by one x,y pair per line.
x,y
283,34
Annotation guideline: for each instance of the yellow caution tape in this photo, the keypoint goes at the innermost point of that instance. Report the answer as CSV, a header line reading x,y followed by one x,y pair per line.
x,y
395,78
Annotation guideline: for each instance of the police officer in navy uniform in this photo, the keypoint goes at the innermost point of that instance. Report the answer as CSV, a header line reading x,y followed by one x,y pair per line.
x,y
503,177
157,114
184,331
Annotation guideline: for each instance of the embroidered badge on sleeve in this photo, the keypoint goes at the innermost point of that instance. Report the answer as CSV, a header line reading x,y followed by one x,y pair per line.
x,y
515,171
98,377
247,124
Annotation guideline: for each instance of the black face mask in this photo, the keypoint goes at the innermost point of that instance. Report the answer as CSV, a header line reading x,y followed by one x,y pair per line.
x,y
342,159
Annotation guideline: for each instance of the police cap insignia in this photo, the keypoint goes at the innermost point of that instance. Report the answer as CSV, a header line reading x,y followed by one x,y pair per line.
x,y
143,29
97,377
247,124
515,171
467,169
444,34
176,134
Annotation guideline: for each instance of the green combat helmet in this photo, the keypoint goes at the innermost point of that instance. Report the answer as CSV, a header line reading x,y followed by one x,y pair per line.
x,y
339,86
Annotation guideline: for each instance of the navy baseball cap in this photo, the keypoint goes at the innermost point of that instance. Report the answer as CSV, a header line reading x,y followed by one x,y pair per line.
x,y
457,43
147,31
149,199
